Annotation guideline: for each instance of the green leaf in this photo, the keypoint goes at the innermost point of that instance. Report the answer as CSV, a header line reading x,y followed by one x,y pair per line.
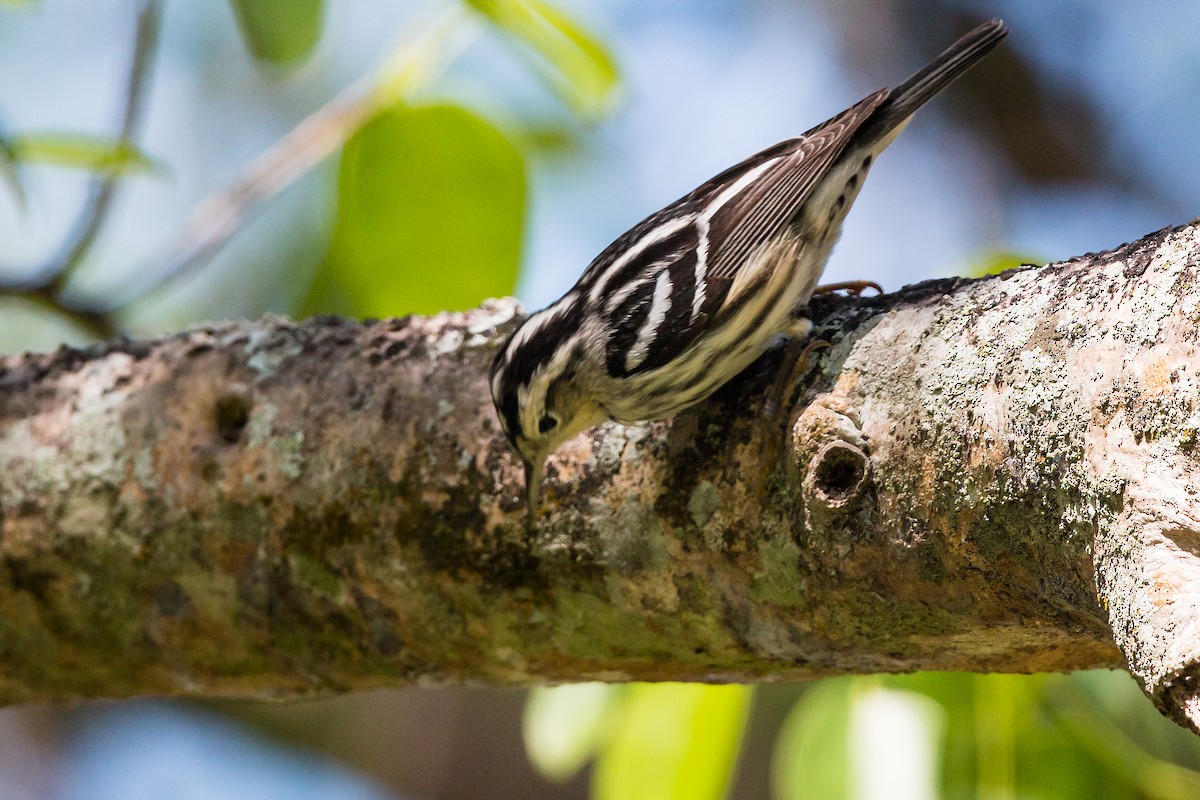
x,y
431,206
565,725
673,740
19,5
279,31
79,151
895,740
812,753
573,61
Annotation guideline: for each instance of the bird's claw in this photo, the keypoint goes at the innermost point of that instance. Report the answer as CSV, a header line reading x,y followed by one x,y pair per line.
x,y
851,288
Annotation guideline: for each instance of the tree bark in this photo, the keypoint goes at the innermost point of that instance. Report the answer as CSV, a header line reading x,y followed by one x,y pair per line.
x,y
992,475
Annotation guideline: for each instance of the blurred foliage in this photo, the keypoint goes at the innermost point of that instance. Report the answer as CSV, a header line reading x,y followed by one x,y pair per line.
x,y
1089,736
431,199
812,757
668,740
9,173
79,151
565,726
997,261
846,736
279,31
431,207
673,740
568,58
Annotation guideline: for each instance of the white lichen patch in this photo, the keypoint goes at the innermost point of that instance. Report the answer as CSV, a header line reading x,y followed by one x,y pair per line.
x,y
30,467
97,448
611,443
269,347
491,314
285,447
703,503
449,341
631,541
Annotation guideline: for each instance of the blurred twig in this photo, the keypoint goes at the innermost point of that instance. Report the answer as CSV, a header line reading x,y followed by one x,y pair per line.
x,y
95,211
411,64
98,323
48,287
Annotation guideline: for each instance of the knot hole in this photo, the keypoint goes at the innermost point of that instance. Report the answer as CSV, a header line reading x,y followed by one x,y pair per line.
x,y
231,412
837,474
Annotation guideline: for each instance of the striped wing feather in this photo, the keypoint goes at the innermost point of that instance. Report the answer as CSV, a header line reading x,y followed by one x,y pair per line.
x,y
742,225
674,298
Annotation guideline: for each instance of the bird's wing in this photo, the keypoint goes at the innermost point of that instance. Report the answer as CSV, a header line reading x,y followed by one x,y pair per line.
x,y
742,219
661,282
655,312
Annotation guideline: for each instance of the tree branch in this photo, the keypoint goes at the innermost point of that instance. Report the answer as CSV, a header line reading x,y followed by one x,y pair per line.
x,y
993,475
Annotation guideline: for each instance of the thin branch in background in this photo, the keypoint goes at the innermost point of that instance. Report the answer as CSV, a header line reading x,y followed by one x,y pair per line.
x,y
57,273
97,323
411,64
46,290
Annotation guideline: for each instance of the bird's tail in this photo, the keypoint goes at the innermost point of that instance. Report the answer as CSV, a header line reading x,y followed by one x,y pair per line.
x,y
926,82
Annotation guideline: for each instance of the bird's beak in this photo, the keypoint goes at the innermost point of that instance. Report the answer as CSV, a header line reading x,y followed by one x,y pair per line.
x,y
534,469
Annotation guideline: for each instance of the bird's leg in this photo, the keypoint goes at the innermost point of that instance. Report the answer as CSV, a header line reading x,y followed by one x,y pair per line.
x,y
798,350
796,355
852,288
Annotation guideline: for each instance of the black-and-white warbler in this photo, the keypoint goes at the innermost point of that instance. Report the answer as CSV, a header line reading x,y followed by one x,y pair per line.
x,y
690,296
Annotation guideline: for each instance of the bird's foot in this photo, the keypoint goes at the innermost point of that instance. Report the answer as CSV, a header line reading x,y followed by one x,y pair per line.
x,y
852,288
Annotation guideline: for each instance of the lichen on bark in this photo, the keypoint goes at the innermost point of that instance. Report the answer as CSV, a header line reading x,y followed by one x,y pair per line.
x,y
986,475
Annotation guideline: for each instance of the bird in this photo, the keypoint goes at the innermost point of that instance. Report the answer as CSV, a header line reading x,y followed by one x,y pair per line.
x,y
693,294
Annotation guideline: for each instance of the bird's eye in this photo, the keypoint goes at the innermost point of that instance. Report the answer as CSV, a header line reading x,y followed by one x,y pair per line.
x,y
547,423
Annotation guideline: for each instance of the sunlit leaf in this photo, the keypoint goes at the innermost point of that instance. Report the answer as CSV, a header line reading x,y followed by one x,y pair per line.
x,y
576,64
19,5
673,740
431,207
279,31
955,692
895,744
564,725
107,156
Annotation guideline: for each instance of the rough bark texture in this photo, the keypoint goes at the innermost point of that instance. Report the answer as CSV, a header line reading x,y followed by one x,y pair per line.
x,y
994,475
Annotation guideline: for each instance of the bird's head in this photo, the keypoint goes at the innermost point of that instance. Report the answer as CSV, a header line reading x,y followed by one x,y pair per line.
x,y
539,389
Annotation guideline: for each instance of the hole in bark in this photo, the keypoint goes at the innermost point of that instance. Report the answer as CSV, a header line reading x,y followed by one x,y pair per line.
x,y
838,474
231,413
